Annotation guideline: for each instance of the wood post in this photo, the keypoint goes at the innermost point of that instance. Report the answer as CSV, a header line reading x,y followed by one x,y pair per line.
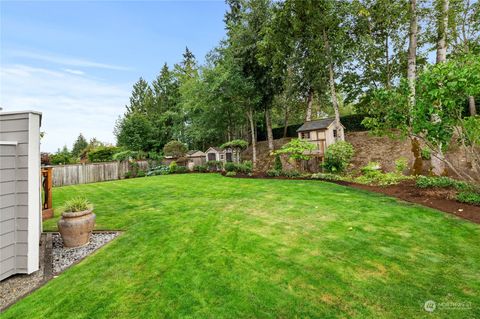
x,y
47,183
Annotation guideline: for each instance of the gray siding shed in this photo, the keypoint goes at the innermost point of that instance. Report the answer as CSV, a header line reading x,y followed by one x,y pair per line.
x,y
20,193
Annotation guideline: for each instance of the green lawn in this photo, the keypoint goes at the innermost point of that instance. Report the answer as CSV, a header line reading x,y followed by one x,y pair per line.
x,y
206,246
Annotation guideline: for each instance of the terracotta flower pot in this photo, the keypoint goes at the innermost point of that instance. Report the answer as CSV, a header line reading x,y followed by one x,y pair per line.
x,y
76,227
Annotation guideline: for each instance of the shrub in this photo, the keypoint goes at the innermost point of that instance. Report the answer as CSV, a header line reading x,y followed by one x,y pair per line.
x,y
62,157
141,173
127,174
246,167
159,170
338,156
231,174
291,173
175,149
296,149
200,168
273,172
329,177
181,169
401,165
76,204
278,163
230,167
214,165
381,179
441,182
426,154
469,197
371,168
124,155
102,154
173,167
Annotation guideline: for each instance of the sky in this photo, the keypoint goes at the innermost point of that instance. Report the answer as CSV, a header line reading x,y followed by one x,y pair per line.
x,y
76,61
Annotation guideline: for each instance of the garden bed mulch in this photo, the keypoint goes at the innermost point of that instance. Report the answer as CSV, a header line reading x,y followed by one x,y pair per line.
x,y
54,259
439,198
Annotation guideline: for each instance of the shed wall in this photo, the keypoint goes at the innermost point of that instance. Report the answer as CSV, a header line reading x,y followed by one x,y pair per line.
x,y
19,193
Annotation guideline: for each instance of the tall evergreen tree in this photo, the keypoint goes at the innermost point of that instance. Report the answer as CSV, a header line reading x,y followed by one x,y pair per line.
x,y
79,145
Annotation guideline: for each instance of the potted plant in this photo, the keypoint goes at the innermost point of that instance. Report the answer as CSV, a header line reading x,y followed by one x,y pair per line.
x,y
77,222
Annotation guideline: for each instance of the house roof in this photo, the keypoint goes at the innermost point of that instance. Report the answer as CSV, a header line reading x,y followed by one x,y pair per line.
x,y
316,125
216,149
195,153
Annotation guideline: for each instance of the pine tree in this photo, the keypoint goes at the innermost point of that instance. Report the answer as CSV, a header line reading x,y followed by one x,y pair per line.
x,y
79,145
142,97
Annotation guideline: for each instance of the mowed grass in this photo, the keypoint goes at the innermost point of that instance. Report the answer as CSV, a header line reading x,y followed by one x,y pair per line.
x,y
206,246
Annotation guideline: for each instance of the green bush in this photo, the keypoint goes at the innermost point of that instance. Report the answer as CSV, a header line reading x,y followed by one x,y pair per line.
x,y
246,167
214,165
175,149
173,167
439,182
329,177
278,163
230,167
469,197
127,174
231,174
291,173
62,157
102,154
273,172
159,170
371,168
124,155
338,156
200,168
381,179
401,165
141,173
426,154
181,169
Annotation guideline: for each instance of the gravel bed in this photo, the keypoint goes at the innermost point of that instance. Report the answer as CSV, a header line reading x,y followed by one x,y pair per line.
x,y
65,257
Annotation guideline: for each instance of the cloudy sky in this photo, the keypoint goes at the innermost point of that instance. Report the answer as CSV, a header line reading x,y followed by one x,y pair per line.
x,y
76,61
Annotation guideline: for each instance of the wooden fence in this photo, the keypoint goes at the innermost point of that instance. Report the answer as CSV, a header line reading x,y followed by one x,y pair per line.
x,y
74,174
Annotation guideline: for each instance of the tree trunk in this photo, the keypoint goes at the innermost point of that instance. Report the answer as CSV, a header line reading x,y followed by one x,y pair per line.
x,y
411,78
332,83
471,106
387,64
285,121
438,159
268,120
412,55
442,31
308,116
254,139
438,162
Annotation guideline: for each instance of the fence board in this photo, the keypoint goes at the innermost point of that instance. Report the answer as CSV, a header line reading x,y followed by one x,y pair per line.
x,y
74,174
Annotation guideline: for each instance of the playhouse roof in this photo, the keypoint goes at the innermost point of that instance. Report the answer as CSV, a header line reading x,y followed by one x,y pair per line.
x,y
316,125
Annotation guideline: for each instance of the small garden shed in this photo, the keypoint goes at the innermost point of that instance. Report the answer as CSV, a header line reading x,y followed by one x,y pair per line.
x,y
322,133
20,194
218,154
195,158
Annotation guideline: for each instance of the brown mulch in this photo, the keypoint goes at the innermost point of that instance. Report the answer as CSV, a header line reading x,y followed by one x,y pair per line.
x,y
439,198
